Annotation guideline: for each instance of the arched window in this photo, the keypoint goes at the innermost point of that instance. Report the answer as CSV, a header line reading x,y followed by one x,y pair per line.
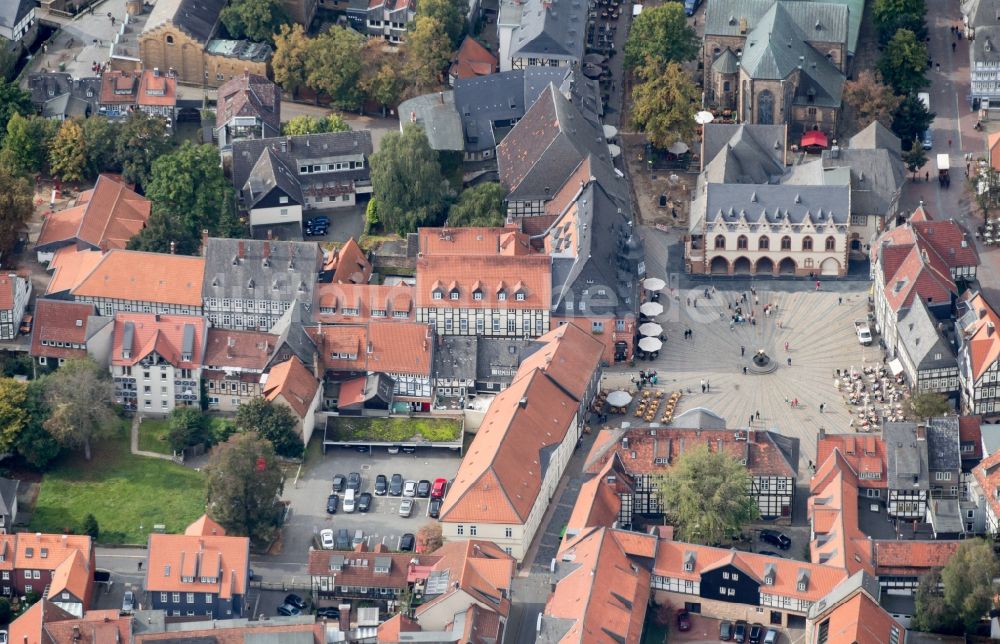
x,y
720,242
170,39
786,243
807,243
741,242
765,108
764,243
831,243
726,87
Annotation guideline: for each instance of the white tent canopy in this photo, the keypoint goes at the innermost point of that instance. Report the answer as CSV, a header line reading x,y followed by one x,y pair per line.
x,y
651,329
651,308
654,284
650,344
619,398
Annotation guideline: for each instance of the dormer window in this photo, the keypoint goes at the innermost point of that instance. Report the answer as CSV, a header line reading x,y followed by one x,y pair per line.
x,y
453,293
502,296
519,296
477,295
436,295
802,586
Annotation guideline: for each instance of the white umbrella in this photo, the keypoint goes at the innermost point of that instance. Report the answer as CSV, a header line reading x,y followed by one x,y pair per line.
x,y
610,131
651,308
650,344
679,147
704,118
654,284
619,398
651,328
614,150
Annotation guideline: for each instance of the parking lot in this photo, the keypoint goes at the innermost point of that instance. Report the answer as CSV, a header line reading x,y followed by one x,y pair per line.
x,y
382,523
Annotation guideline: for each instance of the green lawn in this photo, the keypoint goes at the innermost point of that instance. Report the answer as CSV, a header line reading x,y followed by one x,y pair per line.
x,y
397,430
153,435
121,490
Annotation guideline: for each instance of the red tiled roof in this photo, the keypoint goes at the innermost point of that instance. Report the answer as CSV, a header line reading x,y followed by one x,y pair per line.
x,y
348,264
349,340
895,557
568,355
238,349
232,632
205,526
151,277
987,475
400,348
970,433
249,95
982,336
491,277
479,568
163,334
57,548
864,452
95,627
359,567
69,266
606,595
27,629
598,504
60,321
295,384
861,620
73,576
393,303
104,217
156,89
833,510
472,59
7,290
119,87
173,556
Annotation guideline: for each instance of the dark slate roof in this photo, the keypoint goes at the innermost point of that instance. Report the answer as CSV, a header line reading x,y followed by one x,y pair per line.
x,y
268,173
501,354
437,115
725,18
13,11
484,102
877,177
876,137
777,203
8,495
290,332
943,446
699,418
455,357
750,153
777,47
922,340
250,95
551,29
290,149
46,87
67,106
288,275
726,63
197,18
906,459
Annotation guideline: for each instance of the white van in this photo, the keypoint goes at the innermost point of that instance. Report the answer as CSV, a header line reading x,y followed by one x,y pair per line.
x,y
349,500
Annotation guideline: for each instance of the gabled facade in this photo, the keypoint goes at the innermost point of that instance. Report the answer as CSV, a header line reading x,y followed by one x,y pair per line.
x,y
909,472
63,330
200,572
51,565
376,575
982,28
249,107
926,354
235,361
388,19
851,613
16,20
57,95
541,34
289,383
158,95
978,329
119,93
15,293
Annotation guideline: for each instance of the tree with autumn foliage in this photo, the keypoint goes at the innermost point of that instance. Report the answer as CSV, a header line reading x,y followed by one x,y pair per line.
x,y
870,99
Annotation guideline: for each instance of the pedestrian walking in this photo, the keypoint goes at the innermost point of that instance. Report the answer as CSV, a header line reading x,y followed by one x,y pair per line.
x,y
140,565
821,407
758,414
708,386
817,285
927,176
702,385
789,361
750,421
786,346
953,45
744,370
840,300
795,402
743,351
689,301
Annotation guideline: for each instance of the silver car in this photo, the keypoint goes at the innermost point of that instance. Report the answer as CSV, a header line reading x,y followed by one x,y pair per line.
x,y
406,507
128,602
410,488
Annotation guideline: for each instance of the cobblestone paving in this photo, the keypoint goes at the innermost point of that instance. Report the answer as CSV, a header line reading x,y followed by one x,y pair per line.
x,y
821,339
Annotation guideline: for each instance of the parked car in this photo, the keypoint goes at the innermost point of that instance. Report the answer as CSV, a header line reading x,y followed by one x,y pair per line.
x,y
321,220
394,449
424,488
338,482
343,539
410,488
332,502
364,502
439,488
295,600
406,542
755,632
381,485
354,481
740,632
683,620
359,537
776,538
26,323
771,636
434,508
349,501
329,612
726,630
396,485
405,507
326,539
288,610
315,231
128,602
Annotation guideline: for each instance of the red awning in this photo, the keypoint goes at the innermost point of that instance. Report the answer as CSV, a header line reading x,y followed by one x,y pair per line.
x,y
814,137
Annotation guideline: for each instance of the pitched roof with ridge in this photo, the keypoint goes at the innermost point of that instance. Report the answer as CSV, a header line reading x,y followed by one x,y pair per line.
x,y
472,60
250,350
260,269
981,327
214,564
60,322
550,29
294,383
250,95
73,575
865,454
104,217
852,613
196,18
361,302
348,264
833,510
205,526
151,277
178,339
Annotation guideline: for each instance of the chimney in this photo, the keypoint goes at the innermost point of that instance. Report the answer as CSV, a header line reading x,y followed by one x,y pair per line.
x,y
990,329
241,250
204,240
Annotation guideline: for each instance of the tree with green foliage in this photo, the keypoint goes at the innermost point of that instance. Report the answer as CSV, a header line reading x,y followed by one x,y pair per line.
x,y
190,193
664,103
928,404
13,412
450,14
892,15
870,99
187,426
985,184
81,396
480,205
911,120
288,63
381,78
8,64
13,100
256,20
706,495
244,481
407,181
27,143
273,422
915,157
99,144
5,611
663,34
141,140
35,444
16,208
305,124
371,215
904,62
959,597
427,52
333,66
67,153
91,527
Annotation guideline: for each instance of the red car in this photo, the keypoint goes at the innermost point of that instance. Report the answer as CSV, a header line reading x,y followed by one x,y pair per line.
x,y
683,620
437,491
